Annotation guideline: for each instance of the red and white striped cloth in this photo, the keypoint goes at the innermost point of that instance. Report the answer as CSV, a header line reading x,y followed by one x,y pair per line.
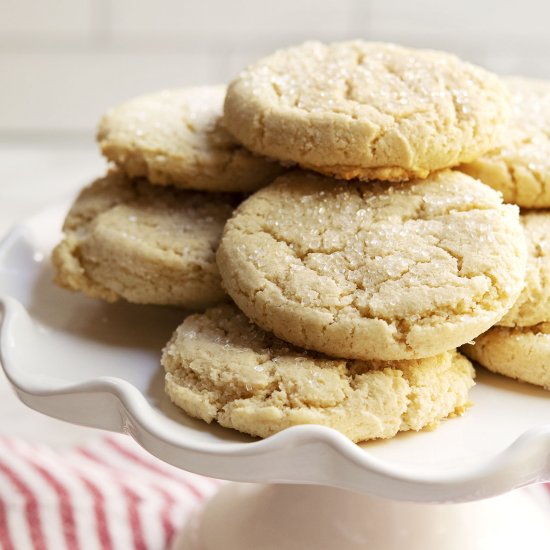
x,y
107,495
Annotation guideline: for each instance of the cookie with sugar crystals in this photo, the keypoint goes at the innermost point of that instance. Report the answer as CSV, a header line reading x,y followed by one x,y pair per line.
x,y
374,270
143,243
367,110
221,367
522,353
533,305
176,137
520,167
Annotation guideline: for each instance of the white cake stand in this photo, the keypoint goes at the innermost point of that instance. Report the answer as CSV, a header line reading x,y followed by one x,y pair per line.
x,y
97,365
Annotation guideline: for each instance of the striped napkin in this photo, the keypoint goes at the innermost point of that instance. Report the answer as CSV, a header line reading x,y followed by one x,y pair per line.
x,y
109,494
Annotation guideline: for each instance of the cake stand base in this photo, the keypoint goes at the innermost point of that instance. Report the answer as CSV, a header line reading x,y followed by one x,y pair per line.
x,y
300,517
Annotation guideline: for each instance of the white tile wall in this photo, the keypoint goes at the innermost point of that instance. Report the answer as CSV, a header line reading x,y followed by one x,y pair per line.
x,y
469,18
46,16
69,91
63,62
232,19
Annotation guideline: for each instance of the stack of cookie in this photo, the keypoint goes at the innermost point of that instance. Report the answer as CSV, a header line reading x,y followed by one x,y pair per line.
x,y
519,345
147,232
360,259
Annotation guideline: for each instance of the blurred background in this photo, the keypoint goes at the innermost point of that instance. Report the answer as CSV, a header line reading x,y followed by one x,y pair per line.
x,y
64,62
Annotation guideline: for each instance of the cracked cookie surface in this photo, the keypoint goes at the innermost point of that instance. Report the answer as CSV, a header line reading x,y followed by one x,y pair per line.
x,y
520,168
175,137
219,366
146,244
533,304
522,352
367,110
374,270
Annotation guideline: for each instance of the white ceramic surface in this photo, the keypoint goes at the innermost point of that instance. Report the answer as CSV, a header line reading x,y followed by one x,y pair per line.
x,y
296,517
97,364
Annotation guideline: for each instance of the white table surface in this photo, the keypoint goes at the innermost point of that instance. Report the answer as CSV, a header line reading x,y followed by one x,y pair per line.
x,y
34,174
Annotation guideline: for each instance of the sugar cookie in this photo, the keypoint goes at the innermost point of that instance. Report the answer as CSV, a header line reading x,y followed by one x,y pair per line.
x,y
533,305
221,367
367,110
522,353
146,244
520,167
374,270
175,137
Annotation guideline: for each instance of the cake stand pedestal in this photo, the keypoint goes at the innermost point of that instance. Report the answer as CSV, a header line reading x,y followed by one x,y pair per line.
x,y
97,365
296,517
